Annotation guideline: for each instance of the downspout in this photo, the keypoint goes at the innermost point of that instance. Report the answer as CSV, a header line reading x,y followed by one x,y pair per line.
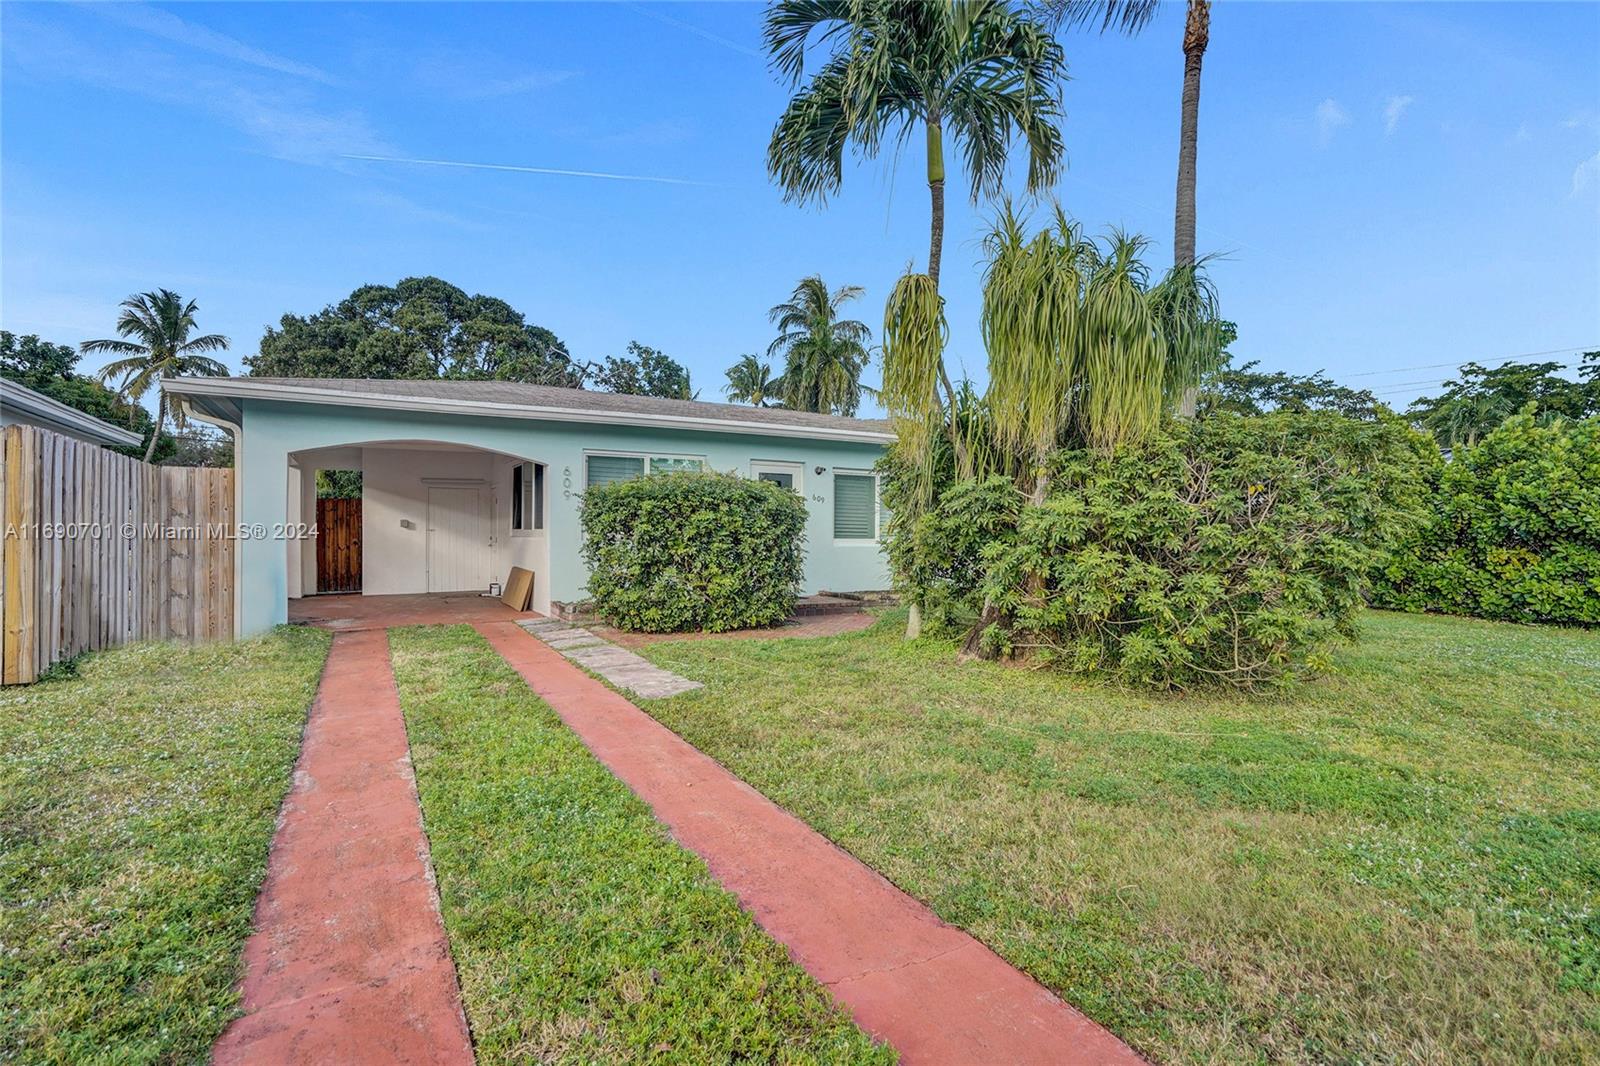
x,y
236,431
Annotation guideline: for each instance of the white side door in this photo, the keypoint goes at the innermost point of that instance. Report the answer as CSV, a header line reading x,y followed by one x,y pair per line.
x,y
788,475
459,549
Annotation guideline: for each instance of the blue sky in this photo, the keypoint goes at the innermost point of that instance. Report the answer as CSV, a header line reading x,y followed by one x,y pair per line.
x,y
1392,185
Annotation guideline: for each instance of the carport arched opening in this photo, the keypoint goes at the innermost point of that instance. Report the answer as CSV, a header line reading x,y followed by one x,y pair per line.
x,y
433,518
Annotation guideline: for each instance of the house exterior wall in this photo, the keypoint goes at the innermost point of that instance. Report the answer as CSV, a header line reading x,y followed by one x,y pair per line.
x,y
273,430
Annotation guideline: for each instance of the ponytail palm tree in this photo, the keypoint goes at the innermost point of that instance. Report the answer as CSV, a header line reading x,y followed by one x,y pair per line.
x,y
750,381
1078,349
156,342
823,353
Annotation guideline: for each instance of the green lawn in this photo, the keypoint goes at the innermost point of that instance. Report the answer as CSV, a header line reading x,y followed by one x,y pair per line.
x,y
137,801
580,931
1400,862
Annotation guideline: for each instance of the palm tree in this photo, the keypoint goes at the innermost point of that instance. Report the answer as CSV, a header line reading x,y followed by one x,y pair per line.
x,y
155,328
751,381
823,353
982,70
1132,16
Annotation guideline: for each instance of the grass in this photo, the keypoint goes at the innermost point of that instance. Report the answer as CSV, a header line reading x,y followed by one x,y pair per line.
x,y
1398,863
581,932
138,795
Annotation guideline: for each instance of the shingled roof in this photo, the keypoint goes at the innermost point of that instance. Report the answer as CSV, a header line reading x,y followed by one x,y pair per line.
x,y
503,397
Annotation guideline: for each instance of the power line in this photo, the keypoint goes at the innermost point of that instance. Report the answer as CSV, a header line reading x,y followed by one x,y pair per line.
x,y
1459,363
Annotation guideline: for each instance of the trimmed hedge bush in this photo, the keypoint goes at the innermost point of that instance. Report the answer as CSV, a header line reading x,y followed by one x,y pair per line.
x,y
1229,550
1513,531
687,551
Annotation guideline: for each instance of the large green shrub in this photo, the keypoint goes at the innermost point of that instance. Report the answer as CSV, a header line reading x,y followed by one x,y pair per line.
x,y
1513,530
674,552
1227,550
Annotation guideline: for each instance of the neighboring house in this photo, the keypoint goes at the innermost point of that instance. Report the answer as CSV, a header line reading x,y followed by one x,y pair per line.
x,y
20,405
461,480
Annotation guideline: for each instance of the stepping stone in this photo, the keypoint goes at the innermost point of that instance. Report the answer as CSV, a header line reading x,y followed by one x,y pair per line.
x,y
617,665
564,633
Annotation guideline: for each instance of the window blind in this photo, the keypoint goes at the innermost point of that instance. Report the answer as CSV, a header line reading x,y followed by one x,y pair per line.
x,y
604,469
855,506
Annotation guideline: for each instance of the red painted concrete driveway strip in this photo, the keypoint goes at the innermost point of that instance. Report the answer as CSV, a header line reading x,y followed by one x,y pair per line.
x,y
349,962
927,988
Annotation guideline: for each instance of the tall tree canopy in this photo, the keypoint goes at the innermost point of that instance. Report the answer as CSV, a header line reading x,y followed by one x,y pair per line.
x,y
1245,390
750,381
823,354
51,369
156,339
417,328
644,371
1480,398
982,70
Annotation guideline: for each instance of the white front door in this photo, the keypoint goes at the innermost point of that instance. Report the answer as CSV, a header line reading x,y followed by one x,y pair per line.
x,y
458,539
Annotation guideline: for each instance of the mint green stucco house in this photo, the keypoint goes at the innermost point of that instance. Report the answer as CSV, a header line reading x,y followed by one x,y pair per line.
x,y
461,480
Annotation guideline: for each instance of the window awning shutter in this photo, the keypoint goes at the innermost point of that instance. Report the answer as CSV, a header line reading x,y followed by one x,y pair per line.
x,y
855,507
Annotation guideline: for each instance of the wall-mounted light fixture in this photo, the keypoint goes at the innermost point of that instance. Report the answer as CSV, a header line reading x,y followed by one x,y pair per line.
x,y
821,469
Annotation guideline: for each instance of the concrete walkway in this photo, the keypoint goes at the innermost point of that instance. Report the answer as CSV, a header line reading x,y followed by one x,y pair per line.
x,y
349,962
927,988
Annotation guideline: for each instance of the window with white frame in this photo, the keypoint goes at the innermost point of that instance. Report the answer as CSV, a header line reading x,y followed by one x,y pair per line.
x,y
602,468
855,505
527,497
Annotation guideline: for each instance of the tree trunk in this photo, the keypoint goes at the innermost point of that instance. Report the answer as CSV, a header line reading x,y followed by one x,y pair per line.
x,y
155,431
935,262
1196,35
935,259
936,193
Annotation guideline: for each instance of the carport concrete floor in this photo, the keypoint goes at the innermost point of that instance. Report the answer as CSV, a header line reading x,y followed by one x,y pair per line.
x,y
346,613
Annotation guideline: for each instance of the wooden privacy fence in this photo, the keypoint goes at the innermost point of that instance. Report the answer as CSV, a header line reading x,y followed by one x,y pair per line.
x,y
100,550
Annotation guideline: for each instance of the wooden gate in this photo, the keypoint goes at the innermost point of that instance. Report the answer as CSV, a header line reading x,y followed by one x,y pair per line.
x,y
339,545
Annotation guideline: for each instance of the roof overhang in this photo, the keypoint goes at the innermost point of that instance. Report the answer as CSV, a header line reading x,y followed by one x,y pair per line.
x,y
64,419
210,391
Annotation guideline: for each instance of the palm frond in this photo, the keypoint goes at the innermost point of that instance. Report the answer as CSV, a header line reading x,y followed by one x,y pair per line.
x,y
1124,16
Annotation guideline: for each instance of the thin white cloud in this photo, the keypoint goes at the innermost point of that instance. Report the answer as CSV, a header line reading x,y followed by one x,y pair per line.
x,y
522,83
649,134
524,169
735,46
1587,175
282,117
291,129
1331,116
1582,120
479,76
1393,111
170,27
406,208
